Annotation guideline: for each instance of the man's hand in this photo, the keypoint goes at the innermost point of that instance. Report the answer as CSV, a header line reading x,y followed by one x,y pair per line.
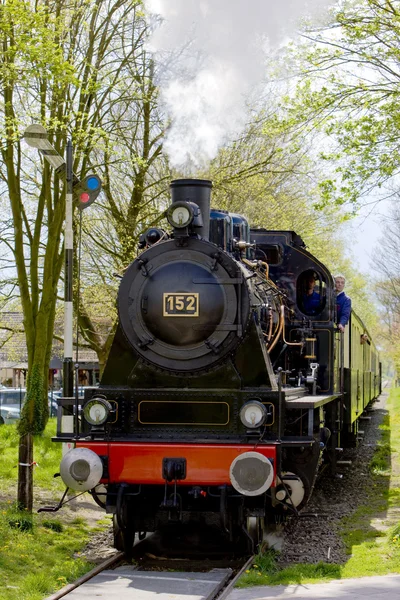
x,y
341,327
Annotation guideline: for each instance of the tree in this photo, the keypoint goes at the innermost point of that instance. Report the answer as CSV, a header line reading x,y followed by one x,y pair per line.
x,y
270,174
63,65
136,177
349,75
387,287
38,270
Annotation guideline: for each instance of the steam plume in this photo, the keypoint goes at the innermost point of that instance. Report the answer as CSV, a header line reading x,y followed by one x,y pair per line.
x,y
215,53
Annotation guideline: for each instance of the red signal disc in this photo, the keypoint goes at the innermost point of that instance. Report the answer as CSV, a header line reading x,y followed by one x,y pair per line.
x,y
85,197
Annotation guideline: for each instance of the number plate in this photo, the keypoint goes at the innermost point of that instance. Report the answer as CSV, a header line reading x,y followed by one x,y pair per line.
x,y
181,305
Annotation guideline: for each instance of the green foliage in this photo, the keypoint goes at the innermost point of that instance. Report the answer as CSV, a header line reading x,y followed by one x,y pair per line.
x,y
348,88
39,553
54,525
380,463
395,536
387,287
302,573
21,521
33,50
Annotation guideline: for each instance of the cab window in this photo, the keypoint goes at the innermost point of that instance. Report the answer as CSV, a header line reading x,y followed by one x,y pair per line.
x,y
311,292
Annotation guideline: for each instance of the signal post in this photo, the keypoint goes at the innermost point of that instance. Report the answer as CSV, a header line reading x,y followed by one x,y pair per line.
x,y
84,193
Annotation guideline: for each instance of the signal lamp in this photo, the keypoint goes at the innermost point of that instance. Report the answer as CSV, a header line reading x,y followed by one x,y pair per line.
x,y
84,197
253,414
180,215
87,190
96,411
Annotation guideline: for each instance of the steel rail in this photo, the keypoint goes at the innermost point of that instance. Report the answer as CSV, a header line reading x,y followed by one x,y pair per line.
x,y
109,562
231,583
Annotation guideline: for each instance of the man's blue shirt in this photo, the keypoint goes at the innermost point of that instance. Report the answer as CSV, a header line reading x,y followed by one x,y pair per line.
x,y
343,306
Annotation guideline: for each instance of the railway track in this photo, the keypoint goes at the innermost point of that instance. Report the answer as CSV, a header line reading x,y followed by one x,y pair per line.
x,y
149,576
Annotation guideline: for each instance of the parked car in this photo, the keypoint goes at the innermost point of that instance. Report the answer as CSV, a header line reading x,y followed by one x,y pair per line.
x,y
52,401
12,400
9,415
54,395
12,397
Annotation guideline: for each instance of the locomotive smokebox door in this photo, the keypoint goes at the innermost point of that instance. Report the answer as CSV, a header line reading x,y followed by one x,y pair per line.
x,y
186,308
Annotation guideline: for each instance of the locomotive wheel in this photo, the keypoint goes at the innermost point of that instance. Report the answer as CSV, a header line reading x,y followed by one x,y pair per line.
x,y
123,538
255,529
293,491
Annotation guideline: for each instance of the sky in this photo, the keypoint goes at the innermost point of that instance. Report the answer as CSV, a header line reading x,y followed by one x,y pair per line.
x,y
364,232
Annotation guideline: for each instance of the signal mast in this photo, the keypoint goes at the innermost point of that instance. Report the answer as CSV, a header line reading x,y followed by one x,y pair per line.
x,y
84,193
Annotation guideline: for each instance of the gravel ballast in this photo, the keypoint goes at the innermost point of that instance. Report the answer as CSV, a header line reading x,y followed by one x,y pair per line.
x,y
315,539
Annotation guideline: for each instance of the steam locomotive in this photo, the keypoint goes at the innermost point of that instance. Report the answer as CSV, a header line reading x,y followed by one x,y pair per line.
x,y
224,393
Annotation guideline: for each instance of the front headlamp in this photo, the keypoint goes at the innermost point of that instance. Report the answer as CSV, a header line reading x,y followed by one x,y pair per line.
x,y
81,469
180,215
96,411
253,414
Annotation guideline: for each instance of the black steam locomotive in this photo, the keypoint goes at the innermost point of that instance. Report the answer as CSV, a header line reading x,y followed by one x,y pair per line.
x,y
225,390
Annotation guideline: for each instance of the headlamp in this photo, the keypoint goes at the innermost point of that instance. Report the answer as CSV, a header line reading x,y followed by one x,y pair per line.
x,y
253,414
81,469
96,411
180,215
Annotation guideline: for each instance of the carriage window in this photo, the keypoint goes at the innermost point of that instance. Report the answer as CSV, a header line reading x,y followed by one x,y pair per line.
x,y
311,292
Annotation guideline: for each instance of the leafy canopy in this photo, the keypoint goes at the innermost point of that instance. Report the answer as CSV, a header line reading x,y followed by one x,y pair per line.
x,y
348,87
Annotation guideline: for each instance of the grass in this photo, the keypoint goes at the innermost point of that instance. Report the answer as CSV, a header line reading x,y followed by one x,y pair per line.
x,y
265,571
36,560
372,547
46,454
39,553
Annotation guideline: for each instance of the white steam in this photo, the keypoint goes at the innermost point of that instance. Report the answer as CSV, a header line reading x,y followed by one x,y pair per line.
x,y
214,54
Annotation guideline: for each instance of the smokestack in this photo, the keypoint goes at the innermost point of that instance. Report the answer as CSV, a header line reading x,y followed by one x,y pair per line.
x,y
199,192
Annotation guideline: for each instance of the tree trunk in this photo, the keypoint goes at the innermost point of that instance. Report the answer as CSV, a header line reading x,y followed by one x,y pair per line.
x,y
25,468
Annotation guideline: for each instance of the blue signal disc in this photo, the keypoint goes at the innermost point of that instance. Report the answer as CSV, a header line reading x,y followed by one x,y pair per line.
x,y
93,183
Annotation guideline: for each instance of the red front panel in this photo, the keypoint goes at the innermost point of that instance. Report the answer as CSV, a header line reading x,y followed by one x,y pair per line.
x,y
206,464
